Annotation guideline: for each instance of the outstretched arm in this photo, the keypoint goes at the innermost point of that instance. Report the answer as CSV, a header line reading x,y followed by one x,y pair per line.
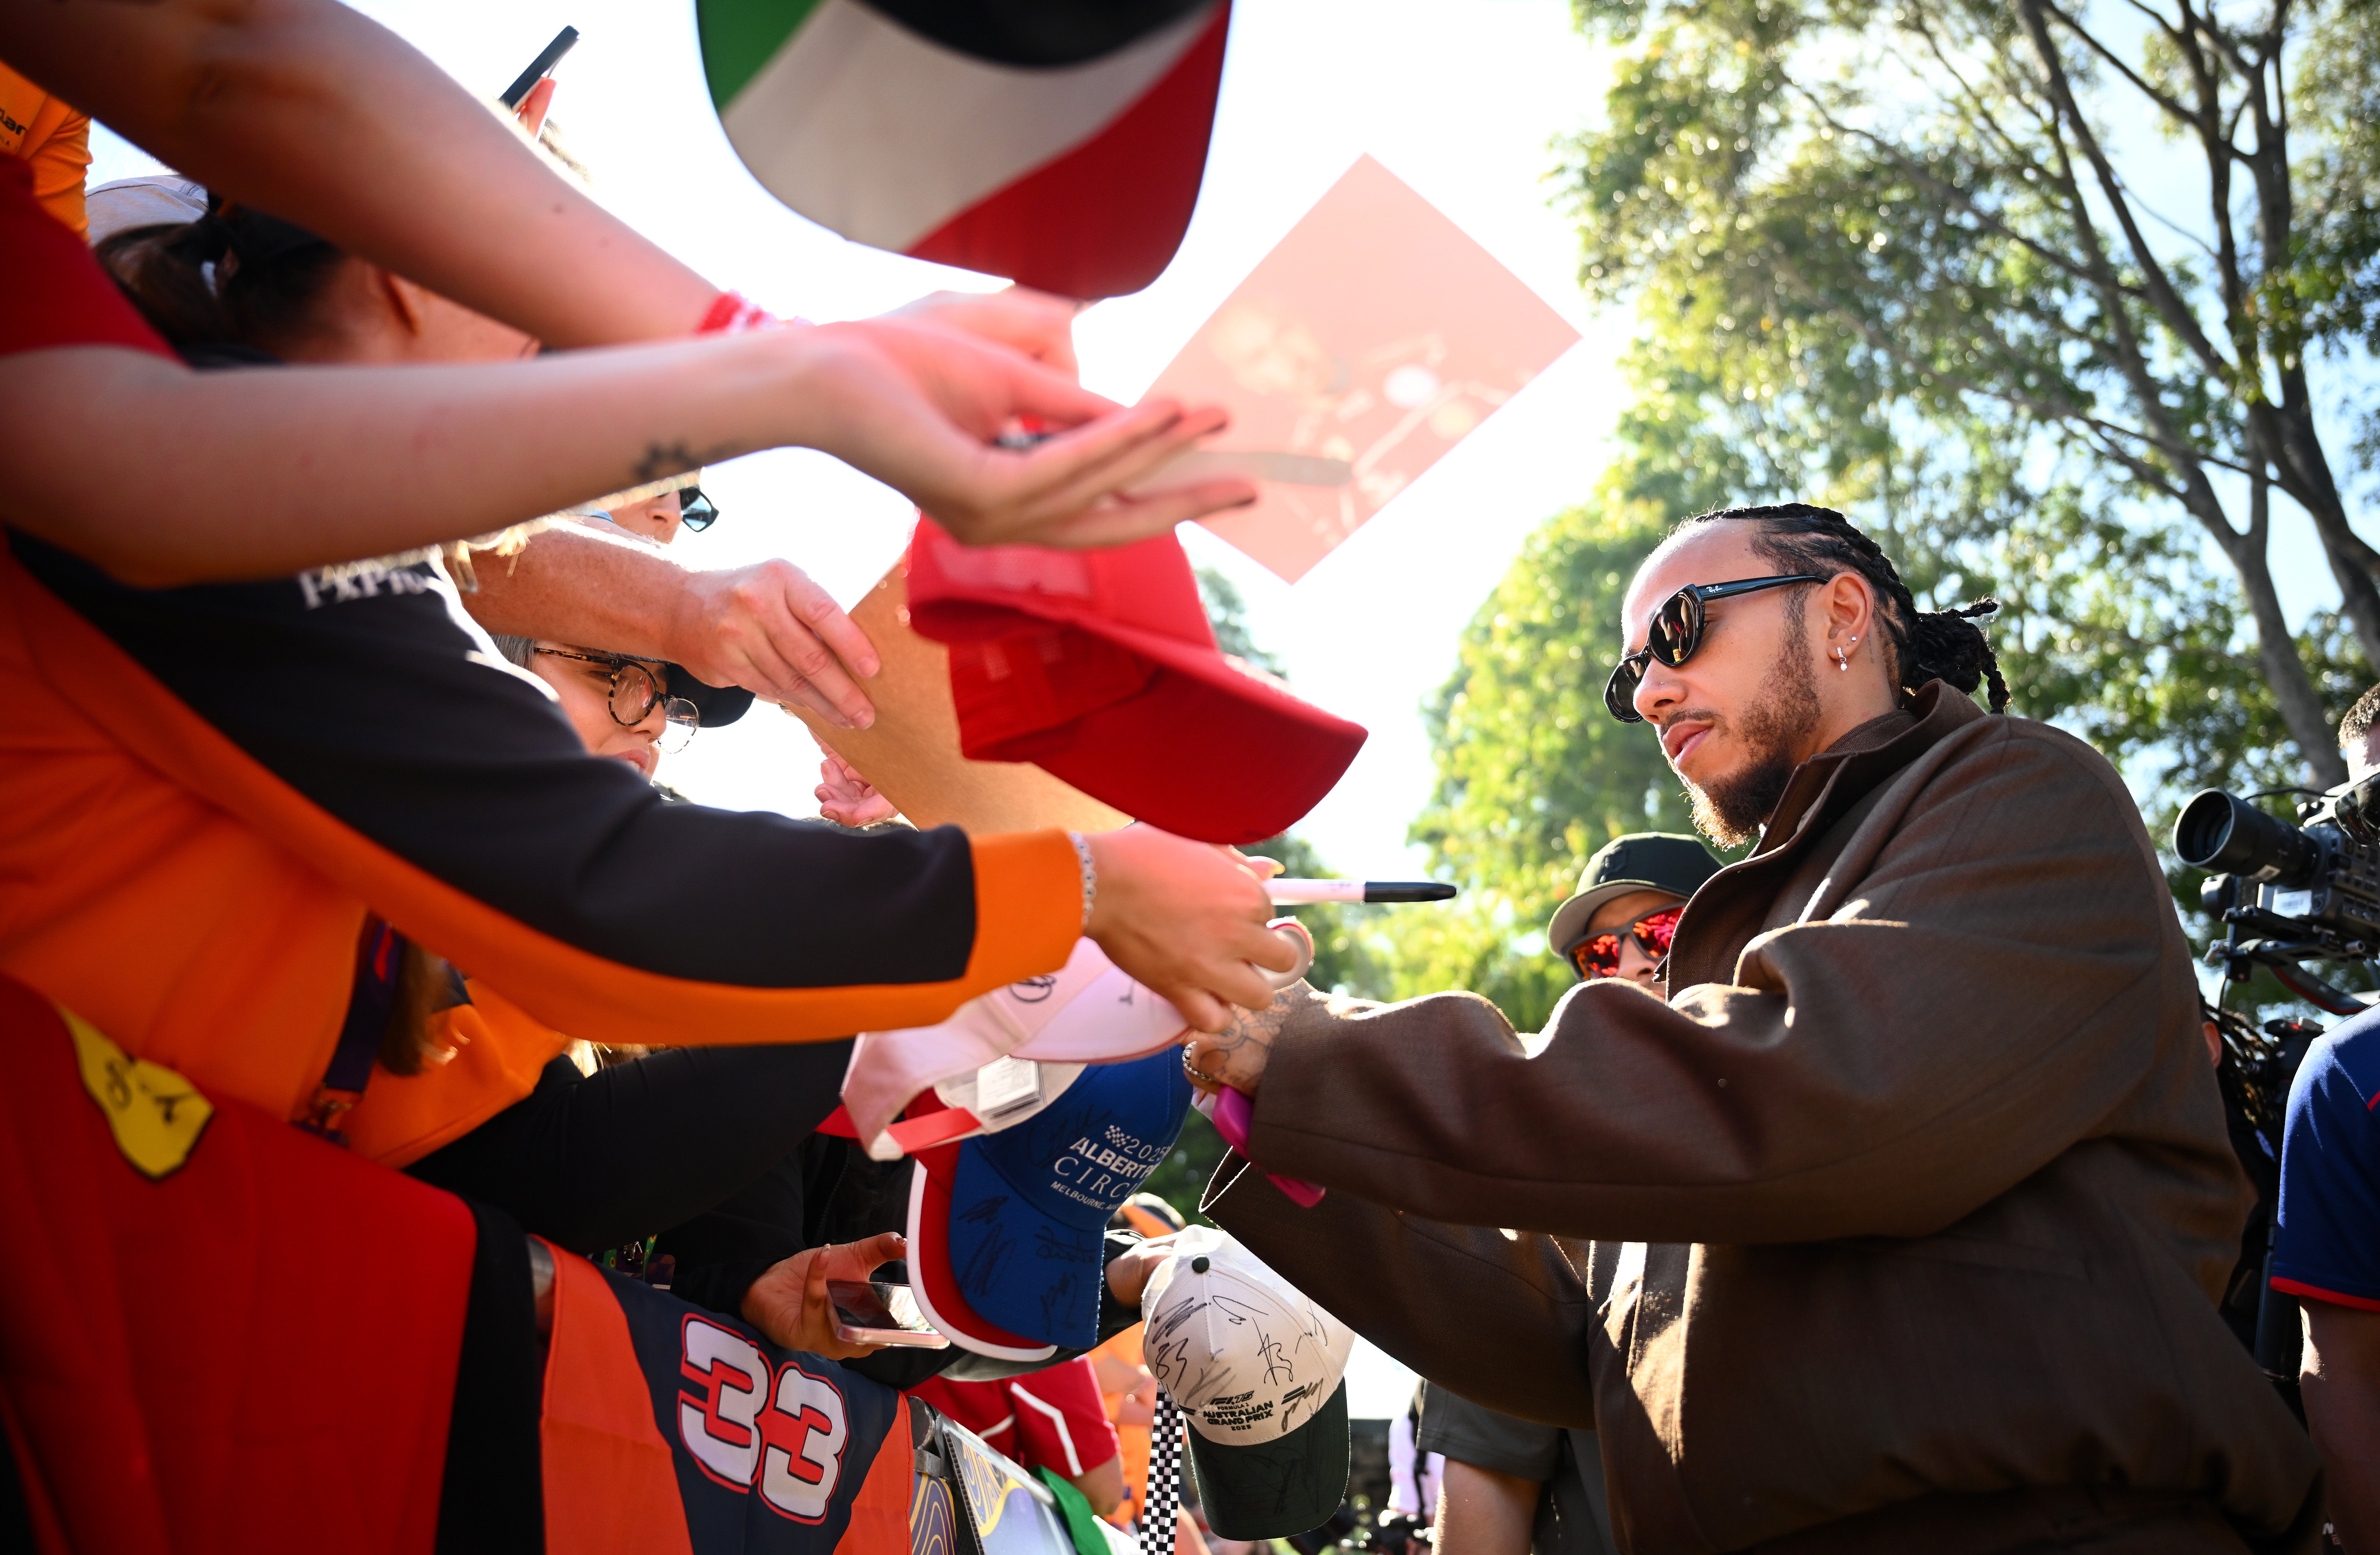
x,y
768,627
262,472
278,103
1967,1013
251,473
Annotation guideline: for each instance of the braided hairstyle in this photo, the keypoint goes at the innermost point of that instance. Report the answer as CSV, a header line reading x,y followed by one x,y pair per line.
x,y
1943,645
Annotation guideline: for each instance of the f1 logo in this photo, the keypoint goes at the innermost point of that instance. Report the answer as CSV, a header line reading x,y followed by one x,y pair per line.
x,y
787,1429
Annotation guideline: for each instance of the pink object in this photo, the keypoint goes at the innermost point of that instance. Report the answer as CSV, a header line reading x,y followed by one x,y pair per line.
x,y
887,1069
1376,332
1232,1114
1088,1012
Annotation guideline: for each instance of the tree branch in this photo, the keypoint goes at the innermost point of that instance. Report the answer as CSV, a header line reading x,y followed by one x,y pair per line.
x,y
2163,296
1975,104
2172,106
2049,411
1952,192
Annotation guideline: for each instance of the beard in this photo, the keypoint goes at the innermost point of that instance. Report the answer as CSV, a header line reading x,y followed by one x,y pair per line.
x,y
1731,809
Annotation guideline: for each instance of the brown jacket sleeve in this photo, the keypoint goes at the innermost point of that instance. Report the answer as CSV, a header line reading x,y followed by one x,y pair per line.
x,y
1507,1322
1976,987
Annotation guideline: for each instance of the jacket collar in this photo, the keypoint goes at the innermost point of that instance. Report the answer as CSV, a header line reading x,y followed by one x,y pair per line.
x,y
1724,916
1823,786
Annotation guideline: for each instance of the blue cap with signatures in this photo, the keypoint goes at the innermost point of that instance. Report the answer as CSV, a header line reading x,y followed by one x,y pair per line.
x,y
1030,1205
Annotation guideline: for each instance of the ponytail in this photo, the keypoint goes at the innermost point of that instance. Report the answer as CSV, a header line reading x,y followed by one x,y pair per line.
x,y
1945,645
235,276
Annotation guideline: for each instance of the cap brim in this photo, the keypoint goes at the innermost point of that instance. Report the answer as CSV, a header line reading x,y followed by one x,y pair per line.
x,y
933,1281
1570,919
1158,722
1208,718
1278,1489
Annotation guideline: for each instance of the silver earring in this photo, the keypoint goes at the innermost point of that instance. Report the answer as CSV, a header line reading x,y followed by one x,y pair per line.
x,y
1843,659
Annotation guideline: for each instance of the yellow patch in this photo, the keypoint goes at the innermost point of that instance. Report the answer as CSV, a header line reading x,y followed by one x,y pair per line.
x,y
154,1113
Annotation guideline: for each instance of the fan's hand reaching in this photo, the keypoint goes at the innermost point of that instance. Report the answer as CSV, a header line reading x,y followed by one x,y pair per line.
x,y
789,1303
920,407
1186,921
1040,325
848,800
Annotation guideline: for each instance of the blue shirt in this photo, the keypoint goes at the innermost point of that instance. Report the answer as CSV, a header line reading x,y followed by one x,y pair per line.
x,y
2328,1244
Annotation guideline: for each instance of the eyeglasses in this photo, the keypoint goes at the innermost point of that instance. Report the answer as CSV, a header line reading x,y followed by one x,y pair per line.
x,y
1598,955
636,691
696,511
1676,631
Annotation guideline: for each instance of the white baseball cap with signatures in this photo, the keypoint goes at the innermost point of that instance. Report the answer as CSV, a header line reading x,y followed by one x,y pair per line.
x,y
1259,1369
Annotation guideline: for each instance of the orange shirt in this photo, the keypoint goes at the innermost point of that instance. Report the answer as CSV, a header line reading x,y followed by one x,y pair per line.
x,y
163,884
38,128
1133,1440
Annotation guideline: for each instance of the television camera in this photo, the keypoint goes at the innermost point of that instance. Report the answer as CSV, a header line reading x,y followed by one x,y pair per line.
x,y
2289,896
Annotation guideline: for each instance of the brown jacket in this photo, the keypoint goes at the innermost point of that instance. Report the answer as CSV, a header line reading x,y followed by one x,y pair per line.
x,y
1917,1186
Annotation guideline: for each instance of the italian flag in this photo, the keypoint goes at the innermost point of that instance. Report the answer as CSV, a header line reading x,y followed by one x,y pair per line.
x,y
1057,142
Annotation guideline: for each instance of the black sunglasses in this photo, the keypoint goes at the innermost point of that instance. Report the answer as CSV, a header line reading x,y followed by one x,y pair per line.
x,y
696,511
1676,631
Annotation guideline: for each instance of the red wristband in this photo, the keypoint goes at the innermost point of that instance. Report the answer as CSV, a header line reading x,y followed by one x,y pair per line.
x,y
732,312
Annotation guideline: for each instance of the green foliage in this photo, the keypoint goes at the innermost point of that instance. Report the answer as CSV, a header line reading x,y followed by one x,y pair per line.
x,y
2335,286
1876,263
1182,1175
1227,612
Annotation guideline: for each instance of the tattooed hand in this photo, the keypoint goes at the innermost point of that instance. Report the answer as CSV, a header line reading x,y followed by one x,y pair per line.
x,y
1237,1056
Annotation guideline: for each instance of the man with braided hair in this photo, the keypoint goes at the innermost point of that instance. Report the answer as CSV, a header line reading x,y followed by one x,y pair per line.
x,y
1898,1224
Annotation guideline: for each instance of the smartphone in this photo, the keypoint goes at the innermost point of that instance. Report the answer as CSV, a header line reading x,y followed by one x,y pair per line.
x,y
878,1312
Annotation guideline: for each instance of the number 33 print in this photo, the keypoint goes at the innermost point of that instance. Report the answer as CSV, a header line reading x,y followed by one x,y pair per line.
x,y
787,1430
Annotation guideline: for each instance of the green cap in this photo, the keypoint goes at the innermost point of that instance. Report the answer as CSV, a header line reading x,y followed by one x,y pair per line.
x,y
1639,861
1278,1489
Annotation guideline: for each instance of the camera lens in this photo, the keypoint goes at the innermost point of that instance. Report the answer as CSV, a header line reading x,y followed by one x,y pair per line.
x,y
2231,836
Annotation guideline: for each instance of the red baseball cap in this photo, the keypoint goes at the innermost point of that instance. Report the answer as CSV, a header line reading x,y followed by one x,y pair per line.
x,y
1099,667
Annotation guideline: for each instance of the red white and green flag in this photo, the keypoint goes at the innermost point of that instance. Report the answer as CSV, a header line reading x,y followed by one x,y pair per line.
x,y
1057,142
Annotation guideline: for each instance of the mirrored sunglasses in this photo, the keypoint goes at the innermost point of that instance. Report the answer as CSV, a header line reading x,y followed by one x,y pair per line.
x,y
1598,955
